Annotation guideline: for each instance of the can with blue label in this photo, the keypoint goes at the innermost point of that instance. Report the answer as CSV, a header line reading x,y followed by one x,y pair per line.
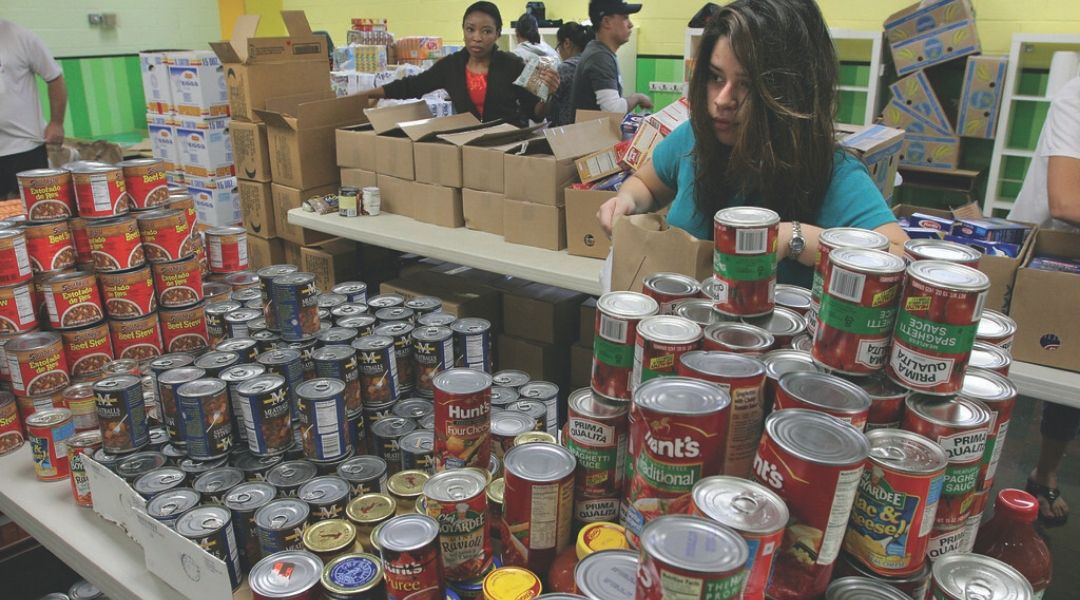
x,y
401,333
167,384
266,414
472,343
324,427
281,525
121,414
378,371
354,577
204,408
433,352
339,362
233,377
287,363
296,304
211,527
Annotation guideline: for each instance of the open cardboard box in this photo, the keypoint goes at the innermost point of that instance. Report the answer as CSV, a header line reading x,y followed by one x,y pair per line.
x,y
545,168
331,261
251,150
482,152
879,148
483,211
584,237
286,199
393,147
259,68
1044,306
356,146
435,160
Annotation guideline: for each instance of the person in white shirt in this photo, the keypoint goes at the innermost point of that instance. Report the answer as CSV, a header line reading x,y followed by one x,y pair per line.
x,y
23,132
529,42
1050,197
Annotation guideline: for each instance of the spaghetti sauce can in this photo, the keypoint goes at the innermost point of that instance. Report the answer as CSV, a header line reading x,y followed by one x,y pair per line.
x,y
538,505
14,258
128,294
456,499
227,249
832,239
996,329
597,435
991,358
999,395
660,342
49,246
462,419
48,432
617,317
693,558
412,561
79,445
744,260
115,244
47,194
72,300
668,289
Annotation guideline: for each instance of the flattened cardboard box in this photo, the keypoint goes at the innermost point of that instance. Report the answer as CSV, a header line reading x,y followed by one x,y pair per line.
x,y
251,150
914,92
286,199
331,262
355,147
359,178
931,32
436,204
483,211
980,100
531,224
584,236
257,206
1044,306
264,252
542,313
393,147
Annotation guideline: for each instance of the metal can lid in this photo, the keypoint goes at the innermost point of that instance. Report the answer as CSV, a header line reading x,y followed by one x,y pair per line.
x,y
826,391
987,386
413,408
437,319
778,362
988,356
780,322
539,462
237,345
817,437
261,384
406,484
75,391
283,513
373,342
202,521
172,360
905,451
432,334
362,468
181,375
746,216
947,275
349,309
681,396
352,574
867,261
320,388
265,336
510,378
501,396
853,237
330,299
878,386
934,249
225,230
461,381
386,300
406,533
424,303
535,437
219,479
533,408
239,373
471,326
674,284
43,172
994,326
110,384
511,583
158,480
745,337
201,388
694,544
133,465
275,270
455,484
48,417
278,356
627,305
964,575
371,508
740,504
294,280
395,313
607,574
862,588
495,490
722,364
285,574
335,335
85,439
291,473
669,330
587,403
417,442
84,590
698,310
356,321
349,287
324,490
792,296
952,412
250,496
539,390
394,329
392,427
329,535
243,315
196,467
173,502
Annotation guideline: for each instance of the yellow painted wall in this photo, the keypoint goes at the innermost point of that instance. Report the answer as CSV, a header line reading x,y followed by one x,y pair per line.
x,y
663,22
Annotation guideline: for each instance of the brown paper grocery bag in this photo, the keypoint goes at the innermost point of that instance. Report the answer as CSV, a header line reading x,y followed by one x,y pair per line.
x,y
645,244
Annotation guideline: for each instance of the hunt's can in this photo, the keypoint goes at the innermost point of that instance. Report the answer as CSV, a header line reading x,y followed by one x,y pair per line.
x,y
366,474
668,289
740,338
165,235
281,525
37,363
331,538
340,362
115,244
690,557
898,497
121,414
356,576
412,562
145,182
78,446
999,395
960,426
418,451
227,249
207,418
618,315
215,484
996,329
886,401
354,291
295,301
324,428
327,497
367,512
166,507
264,406
597,436
211,527
794,298
168,382
934,249
178,283
401,333
457,501
546,393
824,393
753,511
291,575
462,419
506,425
14,258
100,191
233,376
858,310
49,246
47,194
128,294
433,351
814,462
288,476
184,329
831,239
538,505
660,342
744,260
991,358
72,300
935,328
386,434
963,575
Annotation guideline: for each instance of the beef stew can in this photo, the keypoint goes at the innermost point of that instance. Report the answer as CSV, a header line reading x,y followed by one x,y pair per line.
x,y
227,249
37,363
145,182
128,294
14,258
668,289
87,349
48,432
184,329
138,338
49,246
72,300
80,239
100,191
744,260
47,194
462,419
267,414
178,283
121,414
165,235
17,311
11,427
680,553
617,317
115,244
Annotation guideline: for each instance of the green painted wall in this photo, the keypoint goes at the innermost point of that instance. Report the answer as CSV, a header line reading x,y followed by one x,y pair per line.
x,y
105,98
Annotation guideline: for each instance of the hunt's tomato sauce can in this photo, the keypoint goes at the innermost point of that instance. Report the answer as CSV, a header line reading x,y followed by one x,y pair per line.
x,y
824,393
814,463
617,318
744,260
858,310
660,342
692,558
462,419
936,325
49,246
898,497
757,514
960,427
100,191
668,289
597,433
14,258
457,500
412,561
538,505
48,432
47,194
677,436
999,395
831,239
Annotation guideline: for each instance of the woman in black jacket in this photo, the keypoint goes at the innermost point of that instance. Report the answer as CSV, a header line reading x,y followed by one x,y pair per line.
x,y
479,78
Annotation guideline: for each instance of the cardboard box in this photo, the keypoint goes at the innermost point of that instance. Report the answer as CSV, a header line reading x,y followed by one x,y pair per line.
x,y
257,206
931,32
359,178
205,146
1044,306
393,148
251,150
598,165
482,152
541,361
483,211
438,205
879,148
197,82
584,236
301,137
217,200
263,252
915,92
930,152
461,297
546,168
642,145
331,261
588,322
356,146
532,224
286,199
542,313
980,100
161,130
920,17
899,116
396,196
260,68
580,366
435,160
157,88
292,252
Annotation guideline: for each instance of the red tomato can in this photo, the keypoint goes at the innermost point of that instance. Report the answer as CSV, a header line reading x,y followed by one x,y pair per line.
x,y
184,329
814,462
960,427
115,244
128,294
100,191
939,314
72,300
777,363
693,558
660,342
617,318
48,431
744,260
935,249
87,349
740,338
824,393
996,329
11,429
597,435
784,324
462,419
886,401
794,298
47,194
898,496
743,379
227,249
14,258
538,505
165,235
37,363
79,445
144,180
990,357
49,246
17,312
668,289
678,434
81,240
456,499
178,283
831,239
757,514
999,395
858,310
412,561
138,338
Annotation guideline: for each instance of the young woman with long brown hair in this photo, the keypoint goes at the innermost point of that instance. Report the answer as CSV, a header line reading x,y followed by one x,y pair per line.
x,y
763,100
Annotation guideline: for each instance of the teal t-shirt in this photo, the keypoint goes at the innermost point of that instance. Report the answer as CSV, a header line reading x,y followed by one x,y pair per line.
x,y
852,199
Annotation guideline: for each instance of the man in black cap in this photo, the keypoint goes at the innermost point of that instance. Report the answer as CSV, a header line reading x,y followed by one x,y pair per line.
x,y
597,82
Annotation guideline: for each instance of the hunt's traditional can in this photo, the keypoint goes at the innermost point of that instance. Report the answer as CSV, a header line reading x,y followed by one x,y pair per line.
x,y
693,558
17,311
207,418
858,310
121,414
412,562
740,338
244,501
281,525
72,300
660,342
168,506
960,426
14,258
115,244
933,249
169,379
538,505
37,363
100,191
49,246
327,497
79,445
48,432
47,194
597,433
296,303
184,329
744,260
145,182
227,249
386,434
433,351
898,497
742,378
814,462
178,283
831,239
137,339
418,451
289,575
128,294
215,484
462,419
999,395
936,326
457,501
211,527
754,512
824,393
365,474
991,358
963,575
996,329
668,289
618,315
324,428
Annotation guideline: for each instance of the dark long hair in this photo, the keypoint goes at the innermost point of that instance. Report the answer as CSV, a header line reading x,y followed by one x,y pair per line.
x,y
489,9
783,151
578,34
528,28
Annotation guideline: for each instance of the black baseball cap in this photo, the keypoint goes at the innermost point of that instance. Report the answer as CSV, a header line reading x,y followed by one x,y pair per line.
x,y
598,9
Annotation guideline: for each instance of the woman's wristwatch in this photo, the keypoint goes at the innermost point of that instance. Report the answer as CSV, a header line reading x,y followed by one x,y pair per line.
x,y
797,243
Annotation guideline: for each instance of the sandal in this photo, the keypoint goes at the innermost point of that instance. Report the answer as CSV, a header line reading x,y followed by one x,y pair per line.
x,y
1050,495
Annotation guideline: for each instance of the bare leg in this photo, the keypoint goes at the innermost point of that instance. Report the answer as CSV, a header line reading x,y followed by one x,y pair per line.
x,y
1045,473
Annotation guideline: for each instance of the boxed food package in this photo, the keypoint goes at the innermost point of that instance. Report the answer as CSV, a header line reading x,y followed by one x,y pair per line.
x,y
915,92
1044,305
257,206
483,211
286,199
879,148
157,87
161,129
532,224
355,146
197,81
542,313
417,49
931,32
217,200
205,146
653,129
367,58
584,237
542,172
980,100
393,147
251,150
